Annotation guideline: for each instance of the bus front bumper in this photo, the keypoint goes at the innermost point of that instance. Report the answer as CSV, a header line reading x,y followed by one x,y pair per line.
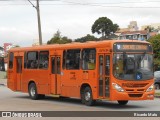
x,y
132,95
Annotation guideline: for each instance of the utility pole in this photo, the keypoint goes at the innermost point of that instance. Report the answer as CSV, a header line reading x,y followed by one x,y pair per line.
x,y
39,23
39,20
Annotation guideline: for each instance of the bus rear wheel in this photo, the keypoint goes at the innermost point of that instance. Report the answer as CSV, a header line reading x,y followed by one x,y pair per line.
x,y
123,102
33,92
87,97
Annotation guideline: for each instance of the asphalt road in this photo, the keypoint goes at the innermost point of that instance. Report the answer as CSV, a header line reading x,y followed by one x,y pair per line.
x,y
11,101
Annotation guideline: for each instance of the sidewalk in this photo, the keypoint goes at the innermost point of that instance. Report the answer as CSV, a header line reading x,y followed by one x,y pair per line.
x,y
157,94
3,80
2,75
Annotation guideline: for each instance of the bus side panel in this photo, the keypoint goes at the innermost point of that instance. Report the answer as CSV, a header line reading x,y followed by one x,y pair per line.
x,y
92,79
41,79
70,83
11,78
11,81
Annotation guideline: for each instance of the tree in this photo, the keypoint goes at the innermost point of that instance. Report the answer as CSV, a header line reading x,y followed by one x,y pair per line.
x,y
58,39
155,41
88,37
104,26
15,46
150,29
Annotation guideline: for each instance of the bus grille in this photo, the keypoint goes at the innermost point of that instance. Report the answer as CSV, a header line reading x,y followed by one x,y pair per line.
x,y
135,95
134,85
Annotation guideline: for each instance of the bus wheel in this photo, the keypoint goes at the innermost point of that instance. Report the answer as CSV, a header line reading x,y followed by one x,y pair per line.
x,y
123,102
87,97
33,91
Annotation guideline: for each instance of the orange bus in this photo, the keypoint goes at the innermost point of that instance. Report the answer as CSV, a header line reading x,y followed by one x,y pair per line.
x,y
116,70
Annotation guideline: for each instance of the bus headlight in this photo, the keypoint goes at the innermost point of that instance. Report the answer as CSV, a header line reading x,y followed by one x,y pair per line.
x,y
150,88
117,87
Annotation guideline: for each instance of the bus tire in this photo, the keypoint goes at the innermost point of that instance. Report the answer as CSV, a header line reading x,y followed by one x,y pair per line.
x,y
87,97
123,102
33,91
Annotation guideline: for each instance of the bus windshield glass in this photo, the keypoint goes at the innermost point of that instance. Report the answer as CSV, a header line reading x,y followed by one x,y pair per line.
x,y
127,66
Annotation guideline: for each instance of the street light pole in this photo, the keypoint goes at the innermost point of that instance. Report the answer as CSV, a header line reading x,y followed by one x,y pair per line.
x,y
39,20
39,23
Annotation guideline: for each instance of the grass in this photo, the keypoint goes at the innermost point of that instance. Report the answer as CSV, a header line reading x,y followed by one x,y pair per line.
x,y
2,75
157,93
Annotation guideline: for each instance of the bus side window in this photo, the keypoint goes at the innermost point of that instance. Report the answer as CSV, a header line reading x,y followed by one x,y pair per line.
x,y
32,58
88,59
11,57
43,59
64,59
73,59
25,60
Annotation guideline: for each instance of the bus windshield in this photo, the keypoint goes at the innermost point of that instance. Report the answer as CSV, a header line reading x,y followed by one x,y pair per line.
x,y
128,66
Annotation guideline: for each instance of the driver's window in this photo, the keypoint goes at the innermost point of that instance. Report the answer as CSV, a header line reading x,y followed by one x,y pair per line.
x,y
118,65
130,64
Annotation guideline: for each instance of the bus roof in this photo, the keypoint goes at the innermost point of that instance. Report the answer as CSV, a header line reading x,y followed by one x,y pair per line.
x,y
73,45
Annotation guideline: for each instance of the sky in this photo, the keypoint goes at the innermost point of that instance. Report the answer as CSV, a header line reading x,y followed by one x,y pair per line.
x,y
73,18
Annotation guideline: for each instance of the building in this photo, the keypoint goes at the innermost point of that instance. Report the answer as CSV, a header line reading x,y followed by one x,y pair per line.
x,y
152,34
153,25
7,46
133,26
134,35
1,52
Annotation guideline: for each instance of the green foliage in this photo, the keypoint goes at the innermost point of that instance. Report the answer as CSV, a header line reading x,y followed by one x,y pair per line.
x,y
88,37
58,39
104,26
155,41
152,29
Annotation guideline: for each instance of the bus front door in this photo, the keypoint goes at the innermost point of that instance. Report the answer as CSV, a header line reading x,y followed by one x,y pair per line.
x,y
56,74
19,72
104,75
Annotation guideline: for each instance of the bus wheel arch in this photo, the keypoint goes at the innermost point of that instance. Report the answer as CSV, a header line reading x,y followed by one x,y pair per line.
x,y
86,95
31,81
32,90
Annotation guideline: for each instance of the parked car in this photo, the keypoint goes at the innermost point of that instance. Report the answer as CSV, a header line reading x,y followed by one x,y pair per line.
x,y
157,79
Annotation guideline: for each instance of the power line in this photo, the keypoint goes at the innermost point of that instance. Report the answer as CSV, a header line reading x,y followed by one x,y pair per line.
x,y
104,6
31,3
91,4
99,5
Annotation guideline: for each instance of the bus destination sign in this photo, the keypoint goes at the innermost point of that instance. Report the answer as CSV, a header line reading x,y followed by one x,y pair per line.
x,y
132,47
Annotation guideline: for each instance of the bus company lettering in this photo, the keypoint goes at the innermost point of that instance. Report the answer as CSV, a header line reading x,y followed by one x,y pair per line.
x,y
103,50
72,75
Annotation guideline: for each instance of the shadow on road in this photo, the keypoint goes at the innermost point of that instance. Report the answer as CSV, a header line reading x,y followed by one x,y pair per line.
x,y
98,104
